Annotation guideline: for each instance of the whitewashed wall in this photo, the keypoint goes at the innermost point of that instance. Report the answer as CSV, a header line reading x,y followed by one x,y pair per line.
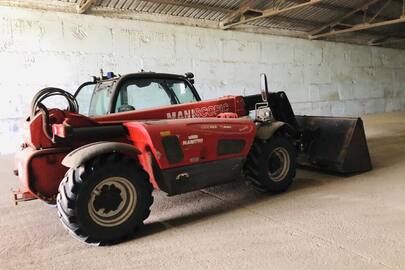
x,y
39,49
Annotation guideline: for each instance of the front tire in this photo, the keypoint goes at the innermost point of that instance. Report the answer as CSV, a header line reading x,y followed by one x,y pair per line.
x,y
105,200
271,164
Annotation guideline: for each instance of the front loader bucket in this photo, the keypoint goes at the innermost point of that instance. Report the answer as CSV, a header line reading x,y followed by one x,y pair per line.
x,y
334,144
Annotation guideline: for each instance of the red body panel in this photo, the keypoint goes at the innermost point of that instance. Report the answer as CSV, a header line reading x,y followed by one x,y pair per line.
x,y
40,171
39,164
198,139
35,136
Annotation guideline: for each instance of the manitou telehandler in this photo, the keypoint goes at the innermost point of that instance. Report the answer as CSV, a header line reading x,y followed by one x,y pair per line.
x,y
123,136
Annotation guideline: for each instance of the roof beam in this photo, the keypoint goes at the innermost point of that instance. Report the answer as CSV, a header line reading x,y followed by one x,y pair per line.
x,y
261,14
342,18
360,27
387,3
334,7
245,6
283,19
84,5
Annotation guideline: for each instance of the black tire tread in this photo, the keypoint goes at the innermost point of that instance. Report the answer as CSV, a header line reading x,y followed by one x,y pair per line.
x,y
253,172
70,186
252,163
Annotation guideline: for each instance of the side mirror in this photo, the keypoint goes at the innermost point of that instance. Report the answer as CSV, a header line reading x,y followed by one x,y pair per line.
x,y
264,89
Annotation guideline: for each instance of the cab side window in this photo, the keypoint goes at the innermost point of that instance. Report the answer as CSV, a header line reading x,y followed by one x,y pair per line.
x,y
182,91
83,97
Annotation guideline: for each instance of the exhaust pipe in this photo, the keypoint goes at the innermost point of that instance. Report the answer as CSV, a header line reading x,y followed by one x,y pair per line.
x,y
335,144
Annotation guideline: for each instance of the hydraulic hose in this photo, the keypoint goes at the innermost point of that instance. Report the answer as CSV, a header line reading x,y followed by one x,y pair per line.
x,y
37,105
45,93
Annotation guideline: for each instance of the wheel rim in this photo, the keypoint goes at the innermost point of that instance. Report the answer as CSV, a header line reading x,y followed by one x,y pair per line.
x,y
278,164
112,201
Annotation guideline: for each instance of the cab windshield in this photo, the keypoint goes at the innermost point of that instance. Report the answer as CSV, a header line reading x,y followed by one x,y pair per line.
x,y
136,94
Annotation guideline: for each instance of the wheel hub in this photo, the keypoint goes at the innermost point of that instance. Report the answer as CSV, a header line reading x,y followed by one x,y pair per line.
x,y
109,199
278,164
112,201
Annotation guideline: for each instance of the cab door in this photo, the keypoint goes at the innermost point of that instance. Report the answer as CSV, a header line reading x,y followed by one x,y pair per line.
x,y
83,96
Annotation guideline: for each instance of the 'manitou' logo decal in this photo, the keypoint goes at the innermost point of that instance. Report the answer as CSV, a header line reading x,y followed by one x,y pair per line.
x,y
208,111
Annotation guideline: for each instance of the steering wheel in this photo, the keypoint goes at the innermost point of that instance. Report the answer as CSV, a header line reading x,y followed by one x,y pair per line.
x,y
126,108
38,106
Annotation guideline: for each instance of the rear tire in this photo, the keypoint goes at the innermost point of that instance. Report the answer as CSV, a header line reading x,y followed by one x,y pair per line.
x,y
271,164
105,200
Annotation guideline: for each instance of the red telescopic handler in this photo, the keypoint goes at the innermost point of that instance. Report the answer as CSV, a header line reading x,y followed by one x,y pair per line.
x,y
121,137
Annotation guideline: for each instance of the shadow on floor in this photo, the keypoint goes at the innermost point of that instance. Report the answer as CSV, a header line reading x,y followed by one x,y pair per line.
x,y
387,151
220,200
227,198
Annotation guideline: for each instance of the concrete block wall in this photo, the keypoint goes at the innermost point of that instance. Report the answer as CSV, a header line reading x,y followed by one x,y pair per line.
x,y
39,49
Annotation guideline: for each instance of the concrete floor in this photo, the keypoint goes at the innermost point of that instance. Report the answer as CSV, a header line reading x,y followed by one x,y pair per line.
x,y
323,222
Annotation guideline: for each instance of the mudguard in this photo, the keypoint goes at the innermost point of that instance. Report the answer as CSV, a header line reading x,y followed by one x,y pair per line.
x,y
90,151
267,130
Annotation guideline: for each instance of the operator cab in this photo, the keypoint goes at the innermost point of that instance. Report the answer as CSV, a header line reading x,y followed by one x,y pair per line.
x,y
115,94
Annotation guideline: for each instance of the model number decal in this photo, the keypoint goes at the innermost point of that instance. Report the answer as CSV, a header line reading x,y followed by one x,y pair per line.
x,y
193,139
209,111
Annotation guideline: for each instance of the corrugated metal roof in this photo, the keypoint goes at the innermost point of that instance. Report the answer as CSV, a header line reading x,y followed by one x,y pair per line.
x,y
301,20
